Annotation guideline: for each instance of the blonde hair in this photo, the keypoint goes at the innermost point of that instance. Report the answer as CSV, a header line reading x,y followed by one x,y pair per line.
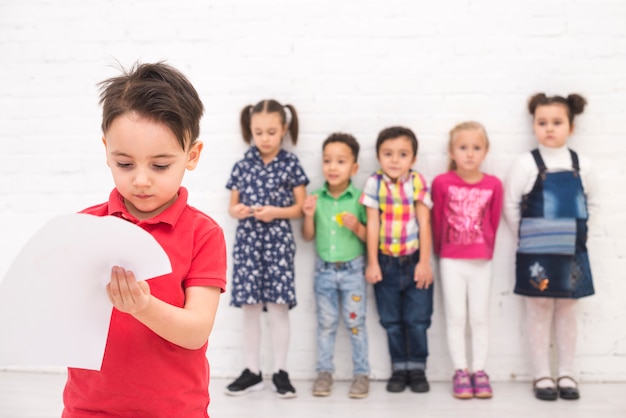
x,y
464,126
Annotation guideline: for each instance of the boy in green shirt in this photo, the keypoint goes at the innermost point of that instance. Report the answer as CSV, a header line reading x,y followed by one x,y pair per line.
x,y
334,216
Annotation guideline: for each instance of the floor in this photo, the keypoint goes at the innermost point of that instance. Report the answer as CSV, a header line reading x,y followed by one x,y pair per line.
x,y
38,395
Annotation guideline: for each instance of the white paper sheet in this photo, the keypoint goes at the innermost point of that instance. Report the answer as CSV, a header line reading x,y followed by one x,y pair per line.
x,y
54,310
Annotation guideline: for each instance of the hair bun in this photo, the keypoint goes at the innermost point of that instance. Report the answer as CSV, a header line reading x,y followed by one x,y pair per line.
x,y
576,103
536,100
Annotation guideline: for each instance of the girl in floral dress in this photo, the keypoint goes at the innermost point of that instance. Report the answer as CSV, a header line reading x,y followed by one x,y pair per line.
x,y
267,190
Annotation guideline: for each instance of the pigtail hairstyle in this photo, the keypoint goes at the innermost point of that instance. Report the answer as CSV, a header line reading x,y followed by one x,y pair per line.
x,y
246,115
575,104
293,125
288,116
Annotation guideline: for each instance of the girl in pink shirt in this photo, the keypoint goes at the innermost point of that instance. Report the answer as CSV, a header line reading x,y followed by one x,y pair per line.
x,y
465,216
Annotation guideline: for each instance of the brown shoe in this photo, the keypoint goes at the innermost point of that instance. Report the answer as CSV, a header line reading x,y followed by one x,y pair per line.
x,y
322,384
360,386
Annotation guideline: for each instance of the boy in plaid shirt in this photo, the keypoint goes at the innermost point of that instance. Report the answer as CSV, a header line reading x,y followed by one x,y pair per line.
x,y
399,244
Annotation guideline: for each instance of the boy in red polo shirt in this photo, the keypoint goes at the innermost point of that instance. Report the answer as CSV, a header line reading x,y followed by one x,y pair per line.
x,y
155,361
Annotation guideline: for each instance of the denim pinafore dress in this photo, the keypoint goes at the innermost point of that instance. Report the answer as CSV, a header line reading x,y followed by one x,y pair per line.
x,y
552,259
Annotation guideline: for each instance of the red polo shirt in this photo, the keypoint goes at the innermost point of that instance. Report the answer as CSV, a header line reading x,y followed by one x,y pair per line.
x,y
142,374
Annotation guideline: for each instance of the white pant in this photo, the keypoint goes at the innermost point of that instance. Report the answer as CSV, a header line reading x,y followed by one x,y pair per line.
x,y
466,286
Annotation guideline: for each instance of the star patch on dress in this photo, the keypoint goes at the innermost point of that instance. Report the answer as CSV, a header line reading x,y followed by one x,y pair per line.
x,y
538,277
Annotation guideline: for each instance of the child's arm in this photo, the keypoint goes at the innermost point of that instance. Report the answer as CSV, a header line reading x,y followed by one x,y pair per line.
x,y
496,205
372,271
269,213
308,225
352,223
188,327
423,272
437,214
236,209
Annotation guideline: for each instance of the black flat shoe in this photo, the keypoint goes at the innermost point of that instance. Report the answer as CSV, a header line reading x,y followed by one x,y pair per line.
x,y
568,392
545,394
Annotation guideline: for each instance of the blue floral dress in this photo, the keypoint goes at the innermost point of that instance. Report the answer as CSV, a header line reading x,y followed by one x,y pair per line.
x,y
263,257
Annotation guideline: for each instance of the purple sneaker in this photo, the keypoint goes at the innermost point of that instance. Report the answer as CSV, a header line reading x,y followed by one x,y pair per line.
x,y
482,388
461,385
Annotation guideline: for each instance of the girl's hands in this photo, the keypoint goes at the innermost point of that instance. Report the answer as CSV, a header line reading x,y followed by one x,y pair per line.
x,y
126,293
264,213
241,211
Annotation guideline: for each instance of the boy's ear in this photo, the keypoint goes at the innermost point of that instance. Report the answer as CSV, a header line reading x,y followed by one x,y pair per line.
x,y
194,155
104,141
355,168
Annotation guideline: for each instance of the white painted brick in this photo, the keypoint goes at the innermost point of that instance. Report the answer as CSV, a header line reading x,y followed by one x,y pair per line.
x,y
353,66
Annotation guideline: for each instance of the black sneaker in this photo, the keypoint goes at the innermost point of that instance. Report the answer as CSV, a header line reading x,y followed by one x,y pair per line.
x,y
247,382
417,381
398,381
282,385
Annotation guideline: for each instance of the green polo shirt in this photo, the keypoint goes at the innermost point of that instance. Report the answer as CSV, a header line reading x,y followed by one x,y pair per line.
x,y
332,241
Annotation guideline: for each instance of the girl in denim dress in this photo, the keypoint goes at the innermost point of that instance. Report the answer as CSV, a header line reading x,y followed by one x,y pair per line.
x,y
549,195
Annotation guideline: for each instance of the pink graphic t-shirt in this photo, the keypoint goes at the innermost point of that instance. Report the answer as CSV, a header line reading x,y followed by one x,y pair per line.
x,y
465,216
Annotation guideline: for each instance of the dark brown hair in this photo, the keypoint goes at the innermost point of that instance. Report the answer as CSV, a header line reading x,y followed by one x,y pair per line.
x,y
574,103
344,138
269,106
158,92
394,132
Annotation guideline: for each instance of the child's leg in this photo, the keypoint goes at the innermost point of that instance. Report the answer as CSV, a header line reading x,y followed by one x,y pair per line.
x,y
327,301
388,293
417,312
353,292
539,312
454,288
252,335
565,332
279,328
479,289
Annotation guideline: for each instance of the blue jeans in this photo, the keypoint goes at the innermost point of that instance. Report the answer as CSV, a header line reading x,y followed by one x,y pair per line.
x,y
341,286
405,311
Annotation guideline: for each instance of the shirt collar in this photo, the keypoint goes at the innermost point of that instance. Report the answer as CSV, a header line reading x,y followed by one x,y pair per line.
x,y
401,180
254,154
170,216
350,191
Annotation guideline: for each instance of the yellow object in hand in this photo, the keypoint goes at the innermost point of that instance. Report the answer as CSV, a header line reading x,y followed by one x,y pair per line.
x,y
339,218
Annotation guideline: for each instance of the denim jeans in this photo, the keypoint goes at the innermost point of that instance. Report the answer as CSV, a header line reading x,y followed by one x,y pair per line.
x,y
340,291
405,311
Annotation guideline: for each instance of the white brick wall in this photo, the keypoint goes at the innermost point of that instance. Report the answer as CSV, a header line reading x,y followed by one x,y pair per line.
x,y
355,66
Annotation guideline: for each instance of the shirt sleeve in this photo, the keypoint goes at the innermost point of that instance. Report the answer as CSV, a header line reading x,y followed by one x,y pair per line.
x,y
496,204
514,189
369,197
233,181
208,265
298,175
421,190
437,213
590,184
